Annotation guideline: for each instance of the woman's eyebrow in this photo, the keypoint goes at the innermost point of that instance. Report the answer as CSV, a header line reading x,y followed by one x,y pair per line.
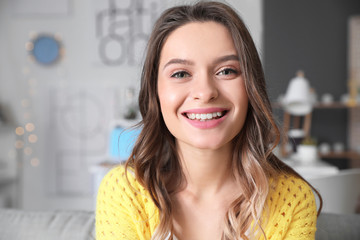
x,y
188,62
178,61
226,58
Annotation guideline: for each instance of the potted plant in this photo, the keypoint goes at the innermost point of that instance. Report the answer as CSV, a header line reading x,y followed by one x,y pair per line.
x,y
307,150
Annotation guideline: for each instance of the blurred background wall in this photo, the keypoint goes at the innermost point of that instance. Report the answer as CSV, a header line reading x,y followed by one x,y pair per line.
x,y
56,119
311,36
58,116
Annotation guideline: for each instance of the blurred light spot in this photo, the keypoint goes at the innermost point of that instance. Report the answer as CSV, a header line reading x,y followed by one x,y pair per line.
x,y
27,115
31,58
19,131
34,162
32,138
25,103
33,34
19,144
28,151
29,127
57,36
29,46
62,52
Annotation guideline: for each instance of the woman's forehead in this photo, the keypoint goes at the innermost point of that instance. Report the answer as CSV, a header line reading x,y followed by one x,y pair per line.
x,y
197,39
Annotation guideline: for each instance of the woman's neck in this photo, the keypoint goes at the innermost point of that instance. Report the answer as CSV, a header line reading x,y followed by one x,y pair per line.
x,y
207,172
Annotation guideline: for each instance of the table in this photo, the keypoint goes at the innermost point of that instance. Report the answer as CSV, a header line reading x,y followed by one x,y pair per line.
x,y
313,169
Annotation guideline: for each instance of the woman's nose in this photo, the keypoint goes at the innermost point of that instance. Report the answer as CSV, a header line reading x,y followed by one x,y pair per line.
x,y
204,88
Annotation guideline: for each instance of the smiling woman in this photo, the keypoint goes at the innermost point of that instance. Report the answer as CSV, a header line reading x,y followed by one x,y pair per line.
x,y
199,83
202,167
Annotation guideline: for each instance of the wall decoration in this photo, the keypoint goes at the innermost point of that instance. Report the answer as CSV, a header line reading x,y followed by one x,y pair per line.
x,y
78,133
45,49
122,29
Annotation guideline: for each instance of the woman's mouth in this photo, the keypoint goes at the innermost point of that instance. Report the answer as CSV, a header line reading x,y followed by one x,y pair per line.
x,y
205,116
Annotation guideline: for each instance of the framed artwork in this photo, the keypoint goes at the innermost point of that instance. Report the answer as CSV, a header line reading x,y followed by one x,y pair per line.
x,y
122,29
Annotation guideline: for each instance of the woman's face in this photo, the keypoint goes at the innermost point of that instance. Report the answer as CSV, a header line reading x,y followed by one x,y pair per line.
x,y
201,87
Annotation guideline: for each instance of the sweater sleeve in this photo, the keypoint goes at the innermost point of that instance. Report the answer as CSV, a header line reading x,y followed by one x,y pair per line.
x,y
303,223
119,209
292,210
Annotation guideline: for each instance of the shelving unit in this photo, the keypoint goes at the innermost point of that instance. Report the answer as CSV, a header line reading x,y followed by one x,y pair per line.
x,y
353,133
334,106
345,154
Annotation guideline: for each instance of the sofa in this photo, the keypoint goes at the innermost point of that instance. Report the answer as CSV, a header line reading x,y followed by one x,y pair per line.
x,y
80,225
46,225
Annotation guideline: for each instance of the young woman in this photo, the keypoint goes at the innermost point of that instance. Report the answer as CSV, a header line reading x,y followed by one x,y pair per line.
x,y
203,167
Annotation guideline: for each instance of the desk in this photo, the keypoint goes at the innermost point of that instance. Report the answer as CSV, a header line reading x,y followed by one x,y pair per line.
x,y
311,170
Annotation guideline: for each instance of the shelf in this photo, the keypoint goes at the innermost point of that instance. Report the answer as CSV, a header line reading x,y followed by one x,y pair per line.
x,y
346,154
353,123
331,105
334,105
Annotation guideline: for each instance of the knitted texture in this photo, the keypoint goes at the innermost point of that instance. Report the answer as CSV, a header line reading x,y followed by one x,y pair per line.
x,y
128,212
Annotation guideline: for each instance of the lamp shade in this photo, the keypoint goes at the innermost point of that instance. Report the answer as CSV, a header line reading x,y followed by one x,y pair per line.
x,y
297,100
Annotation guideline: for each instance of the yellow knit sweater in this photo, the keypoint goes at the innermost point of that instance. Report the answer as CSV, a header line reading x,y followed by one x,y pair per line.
x,y
125,212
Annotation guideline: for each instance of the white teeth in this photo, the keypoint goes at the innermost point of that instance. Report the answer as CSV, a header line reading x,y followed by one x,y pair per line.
x,y
191,116
204,116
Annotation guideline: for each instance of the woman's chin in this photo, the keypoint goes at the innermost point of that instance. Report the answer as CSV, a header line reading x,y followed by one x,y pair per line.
x,y
207,144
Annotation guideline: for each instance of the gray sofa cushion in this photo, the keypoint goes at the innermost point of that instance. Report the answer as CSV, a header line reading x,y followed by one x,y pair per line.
x,y
80,225
338,226
54,225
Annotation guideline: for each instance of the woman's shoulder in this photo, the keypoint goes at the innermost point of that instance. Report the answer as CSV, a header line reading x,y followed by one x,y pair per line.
x,y
290,192
288,184
125,205
291,208
121,188
120,179
117,172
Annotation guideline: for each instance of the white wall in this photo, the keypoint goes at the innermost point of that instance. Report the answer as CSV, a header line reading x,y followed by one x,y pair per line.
x,y
77,70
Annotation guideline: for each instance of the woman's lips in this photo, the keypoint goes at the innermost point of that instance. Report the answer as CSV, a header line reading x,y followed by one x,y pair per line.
x,y
205,118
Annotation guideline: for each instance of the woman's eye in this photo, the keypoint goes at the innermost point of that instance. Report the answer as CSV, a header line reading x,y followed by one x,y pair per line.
x,y
181,74
227,71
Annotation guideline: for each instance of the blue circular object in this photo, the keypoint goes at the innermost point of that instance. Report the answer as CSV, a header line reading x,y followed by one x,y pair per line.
x,y
46,50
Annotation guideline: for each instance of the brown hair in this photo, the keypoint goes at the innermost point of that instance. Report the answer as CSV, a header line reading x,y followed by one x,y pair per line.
x,y
154,157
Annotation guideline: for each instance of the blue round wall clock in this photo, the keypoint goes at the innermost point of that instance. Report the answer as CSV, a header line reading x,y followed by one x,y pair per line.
x,y
46,49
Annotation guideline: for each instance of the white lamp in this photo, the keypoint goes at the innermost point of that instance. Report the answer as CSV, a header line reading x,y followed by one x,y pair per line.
x,y
297,100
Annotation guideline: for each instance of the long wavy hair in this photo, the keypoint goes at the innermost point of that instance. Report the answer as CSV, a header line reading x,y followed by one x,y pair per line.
x,y
155,160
